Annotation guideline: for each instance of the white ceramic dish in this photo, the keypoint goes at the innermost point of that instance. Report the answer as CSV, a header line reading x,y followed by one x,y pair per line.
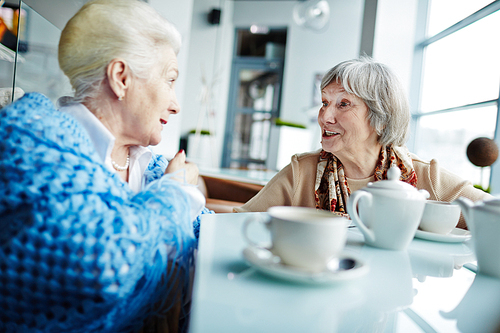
x,y
455,236
346,268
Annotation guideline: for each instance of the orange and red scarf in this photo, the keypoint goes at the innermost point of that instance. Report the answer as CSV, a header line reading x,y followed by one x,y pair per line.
x,y
331,189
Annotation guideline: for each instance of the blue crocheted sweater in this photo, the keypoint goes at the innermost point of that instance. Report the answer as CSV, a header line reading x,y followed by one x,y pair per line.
x,y
79,251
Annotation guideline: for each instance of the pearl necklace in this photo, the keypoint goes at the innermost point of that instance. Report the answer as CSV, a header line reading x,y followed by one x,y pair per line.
x,y
121,168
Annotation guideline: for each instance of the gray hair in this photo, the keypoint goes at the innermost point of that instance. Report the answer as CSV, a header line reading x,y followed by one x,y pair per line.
x,y
103,30
381,91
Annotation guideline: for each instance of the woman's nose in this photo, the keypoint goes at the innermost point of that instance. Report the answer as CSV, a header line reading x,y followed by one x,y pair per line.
x,y
328,115
174,105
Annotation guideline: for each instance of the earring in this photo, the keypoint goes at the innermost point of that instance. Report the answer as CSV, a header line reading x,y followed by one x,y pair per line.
x,y
120,98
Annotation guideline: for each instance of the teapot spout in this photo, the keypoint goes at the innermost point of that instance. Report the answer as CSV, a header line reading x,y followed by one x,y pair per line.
x,y
466,206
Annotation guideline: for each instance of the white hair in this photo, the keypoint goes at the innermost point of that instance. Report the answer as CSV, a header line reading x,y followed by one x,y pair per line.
x,y
381,91
103,30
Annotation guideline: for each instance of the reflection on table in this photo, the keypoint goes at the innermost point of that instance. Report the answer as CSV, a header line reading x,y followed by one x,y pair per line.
x,y
479,310
422,289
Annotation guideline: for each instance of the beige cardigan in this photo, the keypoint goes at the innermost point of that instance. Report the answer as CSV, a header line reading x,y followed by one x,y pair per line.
x,y
294,185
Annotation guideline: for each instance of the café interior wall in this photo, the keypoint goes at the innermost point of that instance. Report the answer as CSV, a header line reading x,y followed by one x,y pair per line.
x,y
208,53
307,54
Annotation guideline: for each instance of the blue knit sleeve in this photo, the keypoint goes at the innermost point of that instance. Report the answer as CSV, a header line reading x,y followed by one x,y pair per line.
x,y
155,170
79,251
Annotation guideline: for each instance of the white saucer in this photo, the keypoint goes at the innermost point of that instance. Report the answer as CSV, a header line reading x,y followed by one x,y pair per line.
x,y
270,264
455,236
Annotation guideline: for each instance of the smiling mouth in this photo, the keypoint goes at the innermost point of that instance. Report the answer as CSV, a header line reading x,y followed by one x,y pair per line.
x,y
163,122
328,133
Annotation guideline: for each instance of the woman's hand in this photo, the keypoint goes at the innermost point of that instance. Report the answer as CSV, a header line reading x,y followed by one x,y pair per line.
x,y
179,163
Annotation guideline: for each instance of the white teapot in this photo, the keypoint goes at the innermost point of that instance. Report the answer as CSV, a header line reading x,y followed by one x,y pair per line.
x,y
388,212
483,221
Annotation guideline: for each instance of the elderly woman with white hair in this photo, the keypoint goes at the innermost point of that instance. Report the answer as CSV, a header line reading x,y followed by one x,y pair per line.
x,y
364,120
97,233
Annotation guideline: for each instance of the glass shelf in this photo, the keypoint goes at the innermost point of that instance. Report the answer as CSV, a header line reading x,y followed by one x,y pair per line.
x,y
35,66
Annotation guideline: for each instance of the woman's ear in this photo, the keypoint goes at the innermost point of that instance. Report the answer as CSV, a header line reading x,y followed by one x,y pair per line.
x,y
119,77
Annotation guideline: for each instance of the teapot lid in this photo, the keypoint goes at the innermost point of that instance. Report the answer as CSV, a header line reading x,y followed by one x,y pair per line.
x,y
392,182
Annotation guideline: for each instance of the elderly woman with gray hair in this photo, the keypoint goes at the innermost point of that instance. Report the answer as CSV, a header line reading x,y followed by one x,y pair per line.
x,y
98,233
364,120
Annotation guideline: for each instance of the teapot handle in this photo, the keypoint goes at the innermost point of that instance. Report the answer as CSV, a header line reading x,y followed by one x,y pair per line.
x,y
352,209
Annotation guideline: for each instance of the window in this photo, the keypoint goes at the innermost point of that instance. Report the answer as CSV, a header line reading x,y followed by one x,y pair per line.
x,y
459,83
254,98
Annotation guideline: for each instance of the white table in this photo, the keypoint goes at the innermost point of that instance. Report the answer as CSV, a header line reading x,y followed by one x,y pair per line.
x,y
418,290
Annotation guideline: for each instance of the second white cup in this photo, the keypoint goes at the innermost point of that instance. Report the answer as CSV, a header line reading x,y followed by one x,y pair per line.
x,y
439,217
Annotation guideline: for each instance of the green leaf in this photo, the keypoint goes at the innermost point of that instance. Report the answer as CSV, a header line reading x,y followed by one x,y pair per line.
x,y
487,190
202,132
281,122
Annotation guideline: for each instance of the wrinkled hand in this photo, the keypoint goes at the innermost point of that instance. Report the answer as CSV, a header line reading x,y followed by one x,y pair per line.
x,y
179,163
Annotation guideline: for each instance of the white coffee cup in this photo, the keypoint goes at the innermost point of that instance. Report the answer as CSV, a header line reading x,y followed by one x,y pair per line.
x,y
305,238
439,217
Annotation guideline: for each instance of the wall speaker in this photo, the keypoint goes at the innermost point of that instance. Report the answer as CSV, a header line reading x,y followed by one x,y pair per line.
x,y
214,16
